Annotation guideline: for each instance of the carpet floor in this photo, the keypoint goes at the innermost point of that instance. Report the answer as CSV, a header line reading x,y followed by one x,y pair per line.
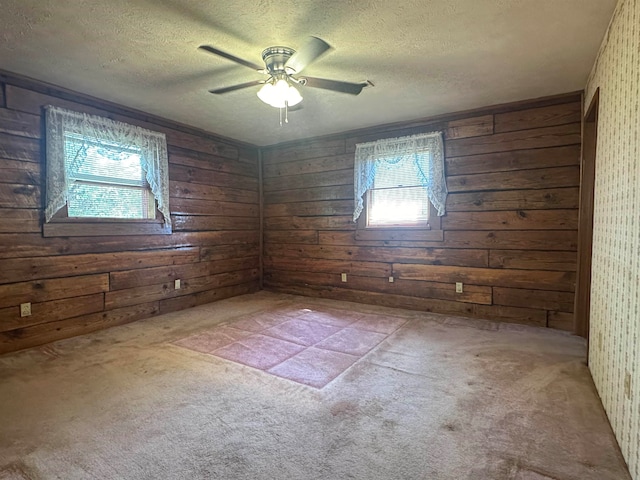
x,y
271,386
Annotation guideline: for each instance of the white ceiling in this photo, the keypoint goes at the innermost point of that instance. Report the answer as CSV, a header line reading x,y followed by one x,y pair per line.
x,y
425,57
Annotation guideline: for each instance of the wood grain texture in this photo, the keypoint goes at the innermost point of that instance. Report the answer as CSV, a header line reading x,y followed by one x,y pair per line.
x,y
514,160
511,222
520,140
538,117
541,178
553,198
82,279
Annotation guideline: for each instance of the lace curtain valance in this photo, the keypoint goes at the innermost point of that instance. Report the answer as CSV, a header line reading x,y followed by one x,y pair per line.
x,y
425,150
151,145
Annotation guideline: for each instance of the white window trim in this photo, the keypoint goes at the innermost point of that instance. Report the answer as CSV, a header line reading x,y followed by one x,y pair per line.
x,y
389,150
153,147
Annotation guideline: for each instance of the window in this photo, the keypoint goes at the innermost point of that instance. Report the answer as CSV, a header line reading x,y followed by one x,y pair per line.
x,y
104,177
399,183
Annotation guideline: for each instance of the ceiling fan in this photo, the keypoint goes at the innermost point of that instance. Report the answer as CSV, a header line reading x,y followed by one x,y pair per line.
x,y
283,66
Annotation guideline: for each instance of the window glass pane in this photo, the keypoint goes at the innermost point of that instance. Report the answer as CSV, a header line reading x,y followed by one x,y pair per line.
x,y
398,206
106,180
102,161
108,201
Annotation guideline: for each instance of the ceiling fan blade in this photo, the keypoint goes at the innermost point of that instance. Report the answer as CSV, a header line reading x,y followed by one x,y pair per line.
x,y
232,88
233,58
335,85
308,54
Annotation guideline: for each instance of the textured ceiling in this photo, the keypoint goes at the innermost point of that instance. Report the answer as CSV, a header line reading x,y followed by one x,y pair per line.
x,y
424,57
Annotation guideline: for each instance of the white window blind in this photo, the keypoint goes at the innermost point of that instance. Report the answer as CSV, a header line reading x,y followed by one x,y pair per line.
x,y
106,180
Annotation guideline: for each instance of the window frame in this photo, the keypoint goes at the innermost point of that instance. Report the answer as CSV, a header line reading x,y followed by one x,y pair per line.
x,y
60,224
379,149
431,231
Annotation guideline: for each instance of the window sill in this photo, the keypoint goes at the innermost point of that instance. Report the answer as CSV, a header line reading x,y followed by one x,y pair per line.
x,y
93,229
400,234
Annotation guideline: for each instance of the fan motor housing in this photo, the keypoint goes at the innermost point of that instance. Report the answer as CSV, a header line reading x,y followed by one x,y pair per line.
x,y
275,58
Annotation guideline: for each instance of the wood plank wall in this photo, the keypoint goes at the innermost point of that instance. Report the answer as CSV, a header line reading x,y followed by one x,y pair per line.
x,y
510,232
81,284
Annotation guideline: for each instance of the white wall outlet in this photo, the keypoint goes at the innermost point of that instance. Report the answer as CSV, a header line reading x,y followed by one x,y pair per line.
x,y
176,284
459,288
25,309
391,279
343,277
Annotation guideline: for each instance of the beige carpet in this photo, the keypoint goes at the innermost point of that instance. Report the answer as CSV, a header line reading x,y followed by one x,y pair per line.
x,y
439,398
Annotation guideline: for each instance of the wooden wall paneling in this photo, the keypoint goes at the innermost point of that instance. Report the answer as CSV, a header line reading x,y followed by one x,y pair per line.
x,y
560,320
513,239
538,117
541,299
510,227
306,180
221,251
427,256
13,294
530,279
23,173
340,192
16,195
156,275
184,190
315,165
150,293
22,269
512,220
102,278
48,332
304,150
328,207
190,223
292,264
519,140
14,147
469,127
18,123
513,160
190,206
208,296
182,173
563,261
472,294
338,222
541,178
287,236
19,220
31,101
553,198
51,311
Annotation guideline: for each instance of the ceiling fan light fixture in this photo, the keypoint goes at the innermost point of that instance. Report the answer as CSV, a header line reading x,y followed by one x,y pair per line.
x,y
280,94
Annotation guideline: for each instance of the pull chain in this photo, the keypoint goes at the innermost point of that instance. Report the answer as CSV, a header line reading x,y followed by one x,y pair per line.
x,y
286,113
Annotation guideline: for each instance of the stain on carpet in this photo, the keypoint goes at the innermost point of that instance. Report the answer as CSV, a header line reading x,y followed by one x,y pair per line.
x,y
306,346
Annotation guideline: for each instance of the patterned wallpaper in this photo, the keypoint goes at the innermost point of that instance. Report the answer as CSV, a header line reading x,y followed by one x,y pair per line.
x,y
614,352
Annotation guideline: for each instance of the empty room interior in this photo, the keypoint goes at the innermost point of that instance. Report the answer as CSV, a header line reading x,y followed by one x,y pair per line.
x,y
320,240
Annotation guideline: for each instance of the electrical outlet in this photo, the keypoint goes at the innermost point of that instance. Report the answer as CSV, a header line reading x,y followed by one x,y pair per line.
x,y
25,309
391,280
343,277
176,284
627,385
459,288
